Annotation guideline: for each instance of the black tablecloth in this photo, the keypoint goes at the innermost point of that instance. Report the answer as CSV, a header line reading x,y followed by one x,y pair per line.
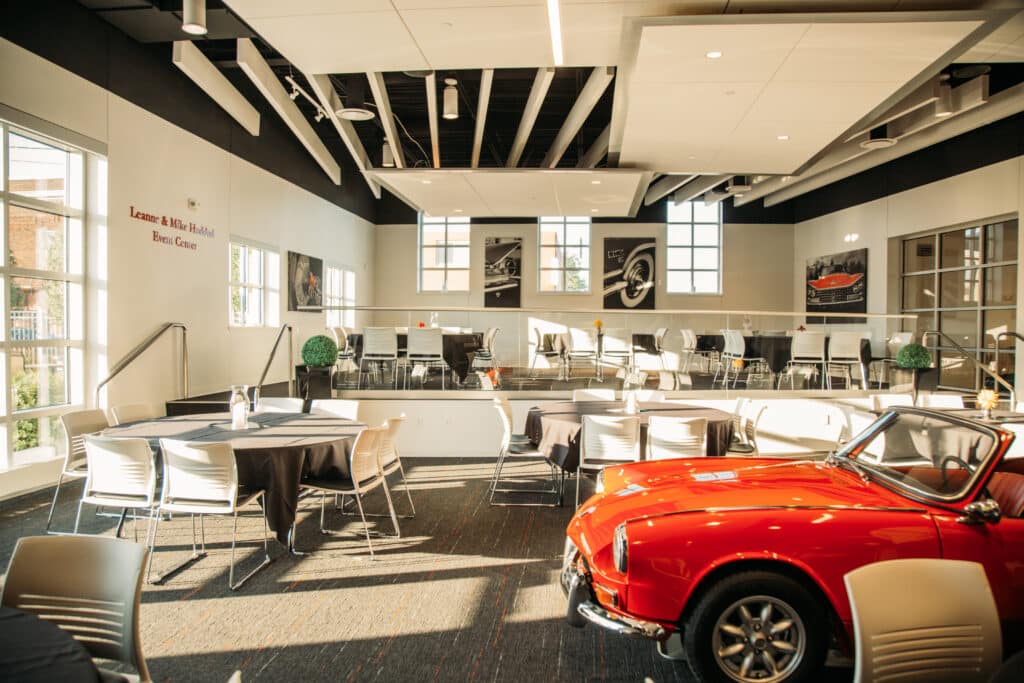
x,y
457,349
32,649
555,428
285,448
776,350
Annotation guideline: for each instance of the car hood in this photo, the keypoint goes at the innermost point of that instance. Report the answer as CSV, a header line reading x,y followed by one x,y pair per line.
x,y
688,486
835,280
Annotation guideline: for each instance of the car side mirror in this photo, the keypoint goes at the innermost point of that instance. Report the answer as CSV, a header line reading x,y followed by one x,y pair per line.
x,y
981,512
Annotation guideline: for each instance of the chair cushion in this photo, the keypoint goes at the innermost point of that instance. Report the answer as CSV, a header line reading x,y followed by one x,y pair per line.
x,y
741,448
1007,488
522,449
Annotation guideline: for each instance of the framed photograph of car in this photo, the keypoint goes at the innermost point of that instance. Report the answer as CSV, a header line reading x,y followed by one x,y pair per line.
x,y
502,268
837,283
305,281
629,273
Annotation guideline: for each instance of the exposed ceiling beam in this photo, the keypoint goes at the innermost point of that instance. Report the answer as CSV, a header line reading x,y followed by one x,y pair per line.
x,y
208,77
252,63
541,83
698,186
922,97
329,100
387,118
599,80
435,143
486,78
665,185
596,151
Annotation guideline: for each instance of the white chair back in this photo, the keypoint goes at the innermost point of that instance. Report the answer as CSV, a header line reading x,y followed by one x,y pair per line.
x,y
340,338
593,394
808,345
388,450
617,341
380,343
927,620
659,338
581,341
337,407
734,345
676,437
881,402
488,341
940,401
610,438
689,339
279,404
364,463
76,426
425,342
897,341
132,412
844,346
200,474
650,395
505,415
120,467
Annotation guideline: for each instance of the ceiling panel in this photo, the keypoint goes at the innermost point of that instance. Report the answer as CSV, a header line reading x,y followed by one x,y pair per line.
x,y
506,193
1005,44
484,37
251,9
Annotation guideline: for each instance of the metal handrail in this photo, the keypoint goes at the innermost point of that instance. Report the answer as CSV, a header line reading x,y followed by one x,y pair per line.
x,y
270,360
999,337
141,347
976,362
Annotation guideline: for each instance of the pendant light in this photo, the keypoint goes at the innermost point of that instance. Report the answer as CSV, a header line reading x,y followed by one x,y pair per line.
x,y
451,99
193,17
387,157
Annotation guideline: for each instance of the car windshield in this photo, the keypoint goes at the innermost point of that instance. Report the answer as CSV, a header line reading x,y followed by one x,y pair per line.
x,y
923,453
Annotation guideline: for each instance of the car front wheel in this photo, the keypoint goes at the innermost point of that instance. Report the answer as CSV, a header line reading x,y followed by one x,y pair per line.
x,y
757,627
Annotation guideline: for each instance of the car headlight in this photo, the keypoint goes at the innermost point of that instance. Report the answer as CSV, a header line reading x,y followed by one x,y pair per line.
x,y
600,482
620,549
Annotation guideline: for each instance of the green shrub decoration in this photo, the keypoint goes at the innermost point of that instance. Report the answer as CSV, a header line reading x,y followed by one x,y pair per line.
x,y
914,357
319,351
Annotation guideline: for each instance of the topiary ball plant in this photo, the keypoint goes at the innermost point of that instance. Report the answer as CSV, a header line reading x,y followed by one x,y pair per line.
x,y
914,357
319,351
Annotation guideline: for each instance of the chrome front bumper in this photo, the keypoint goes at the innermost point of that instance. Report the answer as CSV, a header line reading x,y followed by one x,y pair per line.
x,y
583,606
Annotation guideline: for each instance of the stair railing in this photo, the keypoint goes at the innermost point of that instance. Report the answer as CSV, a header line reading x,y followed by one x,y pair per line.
x,y
141,347
978,364
270,360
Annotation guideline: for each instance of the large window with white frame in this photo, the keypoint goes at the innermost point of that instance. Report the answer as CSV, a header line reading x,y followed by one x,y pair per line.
x,y
693,244
254,291
340,290
444,254
42,207
564,254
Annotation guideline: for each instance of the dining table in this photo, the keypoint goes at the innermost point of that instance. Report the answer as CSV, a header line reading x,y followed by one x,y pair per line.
x,y
554,428
35,650
457,349
275,453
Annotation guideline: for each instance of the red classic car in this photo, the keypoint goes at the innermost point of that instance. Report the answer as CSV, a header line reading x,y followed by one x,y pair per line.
x,y
836,288
744,558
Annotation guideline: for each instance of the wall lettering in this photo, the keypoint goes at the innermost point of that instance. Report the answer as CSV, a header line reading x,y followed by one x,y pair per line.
x,y
173,223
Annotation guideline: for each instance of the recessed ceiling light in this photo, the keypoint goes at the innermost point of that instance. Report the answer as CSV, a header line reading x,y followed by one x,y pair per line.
x,y
782,137
713,54
425,182
458,210
595,182
593,211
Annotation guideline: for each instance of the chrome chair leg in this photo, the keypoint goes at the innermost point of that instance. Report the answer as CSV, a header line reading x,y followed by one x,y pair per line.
x,y
266,549
53,505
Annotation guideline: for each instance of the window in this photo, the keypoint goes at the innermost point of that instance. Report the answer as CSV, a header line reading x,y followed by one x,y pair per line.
x,y
963,282
340,290
444,254
253,289
564,257
41,206
694,248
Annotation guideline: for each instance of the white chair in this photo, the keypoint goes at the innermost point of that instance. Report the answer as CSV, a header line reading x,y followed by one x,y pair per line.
x,y
426,348
881,402
843,356
76,426
606,440
676,437
650,395
892,348
365,475
659,344
132,412
581,347
948,401
202,479
807,352
732,354
122,474
89,586
279,404
927,620
346,353
336,407
485,354
388,457
617,345
380,345
593,395
745,428
517,446
540,350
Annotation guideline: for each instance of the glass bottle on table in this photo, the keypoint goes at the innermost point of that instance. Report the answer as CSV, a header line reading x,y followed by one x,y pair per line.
x,y
239,406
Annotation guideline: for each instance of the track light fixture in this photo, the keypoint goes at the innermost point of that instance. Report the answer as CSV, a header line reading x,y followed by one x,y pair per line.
x,y
451,99
294,94
319,117
193,17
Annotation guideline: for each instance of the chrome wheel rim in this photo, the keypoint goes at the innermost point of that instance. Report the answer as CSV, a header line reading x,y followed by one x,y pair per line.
x,y
759,639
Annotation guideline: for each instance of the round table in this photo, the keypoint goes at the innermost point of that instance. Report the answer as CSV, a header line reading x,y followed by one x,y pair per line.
x,y
32,649
275,456
555,427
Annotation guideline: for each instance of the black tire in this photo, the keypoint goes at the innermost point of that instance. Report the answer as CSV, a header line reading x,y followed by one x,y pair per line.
x,y
721,600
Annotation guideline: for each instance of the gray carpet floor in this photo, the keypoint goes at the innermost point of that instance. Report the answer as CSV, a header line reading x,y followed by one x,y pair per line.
x,y
468,593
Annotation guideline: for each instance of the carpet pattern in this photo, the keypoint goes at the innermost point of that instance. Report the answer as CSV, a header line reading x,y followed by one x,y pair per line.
x,y
468,593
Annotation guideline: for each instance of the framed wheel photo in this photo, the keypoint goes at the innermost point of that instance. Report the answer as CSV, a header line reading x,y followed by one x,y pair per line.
x,y
629,273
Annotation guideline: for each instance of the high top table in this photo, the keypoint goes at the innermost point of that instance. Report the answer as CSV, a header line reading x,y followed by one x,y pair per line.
x,y
457,349
276,455
555,427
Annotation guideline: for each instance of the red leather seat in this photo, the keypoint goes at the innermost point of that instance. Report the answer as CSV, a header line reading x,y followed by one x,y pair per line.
x,y
1007,488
